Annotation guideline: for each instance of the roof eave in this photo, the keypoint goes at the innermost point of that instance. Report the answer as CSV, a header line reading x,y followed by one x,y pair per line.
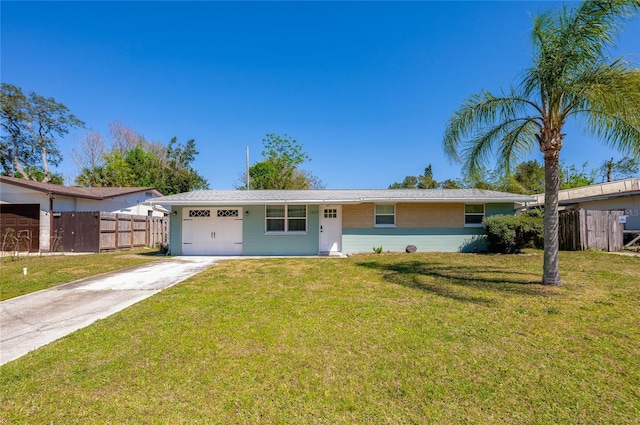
x,y
335,201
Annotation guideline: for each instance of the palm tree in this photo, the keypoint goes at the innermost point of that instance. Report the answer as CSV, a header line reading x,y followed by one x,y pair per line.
x,y
571,78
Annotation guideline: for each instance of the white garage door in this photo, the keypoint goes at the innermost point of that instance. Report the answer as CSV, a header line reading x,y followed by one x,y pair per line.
x,y
212,231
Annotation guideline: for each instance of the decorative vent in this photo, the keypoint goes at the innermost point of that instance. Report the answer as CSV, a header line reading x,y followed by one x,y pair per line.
x,y
227,213
199,213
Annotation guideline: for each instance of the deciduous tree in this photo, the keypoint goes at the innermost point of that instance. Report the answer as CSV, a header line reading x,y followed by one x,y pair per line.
x,y
280,167
623,168
32,124
167,168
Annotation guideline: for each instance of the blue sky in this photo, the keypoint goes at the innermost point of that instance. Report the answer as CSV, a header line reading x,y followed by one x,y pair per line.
x,y
365,87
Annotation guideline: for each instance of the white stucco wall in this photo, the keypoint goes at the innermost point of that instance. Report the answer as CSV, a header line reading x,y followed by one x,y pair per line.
x,y
16,195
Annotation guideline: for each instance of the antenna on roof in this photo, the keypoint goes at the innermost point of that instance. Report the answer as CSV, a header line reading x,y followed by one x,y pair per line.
x,y
247,174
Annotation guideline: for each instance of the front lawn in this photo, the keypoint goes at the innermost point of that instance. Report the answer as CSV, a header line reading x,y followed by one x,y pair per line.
x,y
376,339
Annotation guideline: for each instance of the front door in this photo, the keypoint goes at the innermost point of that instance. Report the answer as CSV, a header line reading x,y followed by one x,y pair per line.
x,y
212,231
330,229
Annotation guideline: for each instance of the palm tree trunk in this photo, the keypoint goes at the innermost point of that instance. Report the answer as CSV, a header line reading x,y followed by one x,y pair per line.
x,y
551,271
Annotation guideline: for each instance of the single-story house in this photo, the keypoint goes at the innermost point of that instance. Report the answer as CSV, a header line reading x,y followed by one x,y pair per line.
x,y
331,222
616,195
27,205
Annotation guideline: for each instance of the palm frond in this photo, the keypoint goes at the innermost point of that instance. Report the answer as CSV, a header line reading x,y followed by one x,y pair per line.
x,y
511,138
620,132
480,111
568,43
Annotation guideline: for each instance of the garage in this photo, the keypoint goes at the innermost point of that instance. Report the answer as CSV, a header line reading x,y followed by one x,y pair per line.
x,y
24,219
212,231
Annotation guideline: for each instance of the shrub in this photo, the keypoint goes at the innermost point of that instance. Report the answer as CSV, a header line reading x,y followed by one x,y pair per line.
x,y
510,234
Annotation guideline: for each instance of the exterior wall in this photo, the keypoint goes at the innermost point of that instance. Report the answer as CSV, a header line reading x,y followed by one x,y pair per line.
x,y
254,239
356,216
45,231
256,242
16,195
414,215
630,205
430,227
408,215
175,231
426,240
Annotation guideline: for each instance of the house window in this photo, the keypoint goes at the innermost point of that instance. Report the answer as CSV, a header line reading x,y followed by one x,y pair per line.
x,y
473,215
286,218
385,215
330,213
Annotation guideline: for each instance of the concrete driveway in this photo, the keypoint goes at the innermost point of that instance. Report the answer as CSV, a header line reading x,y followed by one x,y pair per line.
x,y
36,319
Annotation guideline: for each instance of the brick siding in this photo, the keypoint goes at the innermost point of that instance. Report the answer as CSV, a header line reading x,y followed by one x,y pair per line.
x,y
408,215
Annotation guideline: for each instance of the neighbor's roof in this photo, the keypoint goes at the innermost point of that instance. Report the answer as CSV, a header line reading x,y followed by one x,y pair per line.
x,y
595,192
257,197
98,193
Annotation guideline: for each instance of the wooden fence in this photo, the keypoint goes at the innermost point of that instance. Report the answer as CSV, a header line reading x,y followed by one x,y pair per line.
x,y
95,231
585,229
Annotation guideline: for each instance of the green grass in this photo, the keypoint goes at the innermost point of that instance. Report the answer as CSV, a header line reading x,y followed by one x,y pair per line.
x,y
50,270
380,339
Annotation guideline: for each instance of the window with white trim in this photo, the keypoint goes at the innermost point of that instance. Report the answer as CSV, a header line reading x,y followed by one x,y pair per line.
x,y
286,218
385,215
473,215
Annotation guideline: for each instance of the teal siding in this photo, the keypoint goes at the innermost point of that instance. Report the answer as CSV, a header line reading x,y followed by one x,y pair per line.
x,y
256,242
426,240
175,232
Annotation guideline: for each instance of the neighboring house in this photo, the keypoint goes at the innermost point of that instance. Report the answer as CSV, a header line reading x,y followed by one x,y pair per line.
x,y
617,195
29,205
330,222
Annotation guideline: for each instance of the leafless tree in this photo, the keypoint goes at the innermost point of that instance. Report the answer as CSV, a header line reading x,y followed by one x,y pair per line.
x,y
123,138
89,150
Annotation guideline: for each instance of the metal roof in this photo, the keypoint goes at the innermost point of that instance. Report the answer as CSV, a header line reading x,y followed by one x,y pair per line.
x,y
595,192
348,196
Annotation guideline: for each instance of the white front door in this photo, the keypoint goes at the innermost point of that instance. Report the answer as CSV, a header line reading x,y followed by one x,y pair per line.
x,y
212,231
330,229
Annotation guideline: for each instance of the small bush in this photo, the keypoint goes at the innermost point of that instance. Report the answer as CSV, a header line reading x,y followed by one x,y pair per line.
x,y
510,234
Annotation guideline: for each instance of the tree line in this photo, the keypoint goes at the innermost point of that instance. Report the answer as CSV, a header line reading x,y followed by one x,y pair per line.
x,y
32,125
29,148
131,161
526,178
